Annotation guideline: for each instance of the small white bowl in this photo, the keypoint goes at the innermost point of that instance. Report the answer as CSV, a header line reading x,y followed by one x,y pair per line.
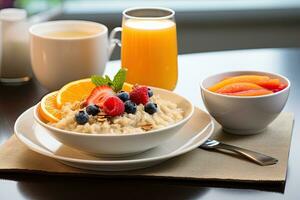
x,y
118,145
244,115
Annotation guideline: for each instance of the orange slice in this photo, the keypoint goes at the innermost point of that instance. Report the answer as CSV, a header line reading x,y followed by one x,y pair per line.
x,y
48,109
80,90
127,87
75,91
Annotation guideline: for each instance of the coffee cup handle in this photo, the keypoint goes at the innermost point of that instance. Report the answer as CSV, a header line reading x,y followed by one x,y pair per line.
x,y
113,41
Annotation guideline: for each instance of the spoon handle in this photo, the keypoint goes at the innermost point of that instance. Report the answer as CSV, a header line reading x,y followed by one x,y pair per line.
x,y
258,158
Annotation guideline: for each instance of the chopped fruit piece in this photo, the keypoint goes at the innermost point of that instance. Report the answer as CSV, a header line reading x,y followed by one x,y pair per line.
x,y
113,106
124,96
238,87
150,92
92,109
246,85
127,87
270,84
139,95
48,108
280,87
99,95
237,79
251,93
81,117
74,91
130,107
150,108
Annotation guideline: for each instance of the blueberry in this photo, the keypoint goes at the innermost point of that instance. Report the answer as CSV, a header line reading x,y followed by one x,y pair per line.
x,y
81,117
150,92
124,96
92,109
150,108
130,107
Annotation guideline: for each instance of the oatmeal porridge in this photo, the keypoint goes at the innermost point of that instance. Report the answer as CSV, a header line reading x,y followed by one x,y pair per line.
x,y
141,121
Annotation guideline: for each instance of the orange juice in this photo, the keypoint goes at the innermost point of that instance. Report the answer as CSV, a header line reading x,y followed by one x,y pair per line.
x,y
149,52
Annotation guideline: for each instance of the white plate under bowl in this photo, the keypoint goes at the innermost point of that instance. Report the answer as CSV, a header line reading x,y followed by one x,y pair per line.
x,y
127,143
194,133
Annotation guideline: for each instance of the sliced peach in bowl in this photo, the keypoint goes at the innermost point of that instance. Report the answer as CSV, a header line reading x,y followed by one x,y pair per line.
x,y
244,108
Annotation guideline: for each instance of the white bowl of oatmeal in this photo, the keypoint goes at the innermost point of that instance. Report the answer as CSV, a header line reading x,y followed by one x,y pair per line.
x,y
123,135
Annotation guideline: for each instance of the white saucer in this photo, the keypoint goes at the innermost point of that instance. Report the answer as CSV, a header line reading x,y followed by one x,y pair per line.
x,y
193,134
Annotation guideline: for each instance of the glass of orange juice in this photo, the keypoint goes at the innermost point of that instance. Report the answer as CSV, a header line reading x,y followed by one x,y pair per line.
x,y
149,46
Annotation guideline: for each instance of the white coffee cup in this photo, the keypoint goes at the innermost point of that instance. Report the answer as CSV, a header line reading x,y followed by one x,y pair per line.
x,y
59,60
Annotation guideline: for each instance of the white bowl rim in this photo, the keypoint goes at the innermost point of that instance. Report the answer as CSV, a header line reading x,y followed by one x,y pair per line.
x,y
61,22
243,72
185,119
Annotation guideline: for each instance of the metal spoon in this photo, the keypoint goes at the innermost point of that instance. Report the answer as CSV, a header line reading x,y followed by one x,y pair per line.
x,y
258,158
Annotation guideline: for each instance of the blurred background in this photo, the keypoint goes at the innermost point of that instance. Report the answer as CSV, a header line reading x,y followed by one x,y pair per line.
x,y
202,25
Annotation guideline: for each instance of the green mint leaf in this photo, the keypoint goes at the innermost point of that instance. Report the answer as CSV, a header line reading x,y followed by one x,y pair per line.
x,y
99,80
119,79
109,81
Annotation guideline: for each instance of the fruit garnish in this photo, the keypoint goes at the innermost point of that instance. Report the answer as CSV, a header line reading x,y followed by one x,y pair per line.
x,y
150,108
139,95
99,95
127,87
74,91
81,117
113,106
48,108
124,96
130,107
238,87
150,92
92,109
116,84
251,93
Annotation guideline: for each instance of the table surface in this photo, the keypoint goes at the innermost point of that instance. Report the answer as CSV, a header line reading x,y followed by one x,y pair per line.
x,y
192,69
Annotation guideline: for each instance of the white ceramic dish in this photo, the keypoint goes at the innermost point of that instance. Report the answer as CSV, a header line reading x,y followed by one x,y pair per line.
x,y
37,138
244,115
119,145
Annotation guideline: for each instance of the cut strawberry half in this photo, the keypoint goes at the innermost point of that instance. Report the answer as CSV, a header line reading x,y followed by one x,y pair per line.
x,y
99,95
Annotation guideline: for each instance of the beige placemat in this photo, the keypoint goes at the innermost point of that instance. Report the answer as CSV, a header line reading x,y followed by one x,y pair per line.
x,y
205,167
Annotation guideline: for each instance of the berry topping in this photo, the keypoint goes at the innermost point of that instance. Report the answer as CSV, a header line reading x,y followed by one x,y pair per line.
x,y
124,96
139,95
113,106
81,117
150,108
150,92
99,95
92,109
130,107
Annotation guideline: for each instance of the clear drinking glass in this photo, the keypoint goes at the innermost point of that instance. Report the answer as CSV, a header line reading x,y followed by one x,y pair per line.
x,y
149,46
15,66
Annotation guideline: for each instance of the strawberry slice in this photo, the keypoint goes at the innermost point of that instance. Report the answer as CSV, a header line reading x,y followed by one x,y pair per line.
x,y
99,95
